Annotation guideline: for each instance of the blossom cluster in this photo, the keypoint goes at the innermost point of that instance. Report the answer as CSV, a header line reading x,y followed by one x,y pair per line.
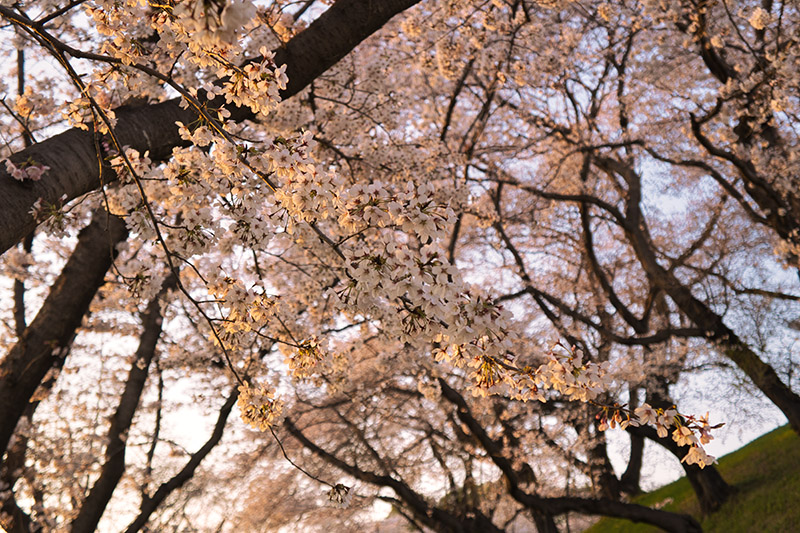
x,y
377,244
30,171
573,378
688,430
211,22
375,236
340,495
258,406
305,359
256,85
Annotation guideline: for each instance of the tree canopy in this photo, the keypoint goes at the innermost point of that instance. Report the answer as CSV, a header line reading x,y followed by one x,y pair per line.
x,y
427,252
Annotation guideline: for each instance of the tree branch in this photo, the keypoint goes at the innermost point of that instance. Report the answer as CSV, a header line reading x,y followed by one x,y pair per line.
x,y
555,506
149,505
431,516
71,155
95,503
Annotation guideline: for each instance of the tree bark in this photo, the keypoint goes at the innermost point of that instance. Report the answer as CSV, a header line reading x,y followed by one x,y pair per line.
x,y
71,155
47,339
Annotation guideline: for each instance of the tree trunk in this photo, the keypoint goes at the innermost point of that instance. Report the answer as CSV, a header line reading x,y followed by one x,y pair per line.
x,y
708,485
629,482
604,481
47,339
545,523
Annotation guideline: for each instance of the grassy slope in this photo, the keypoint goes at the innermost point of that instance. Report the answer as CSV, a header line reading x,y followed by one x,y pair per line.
x,y
766,473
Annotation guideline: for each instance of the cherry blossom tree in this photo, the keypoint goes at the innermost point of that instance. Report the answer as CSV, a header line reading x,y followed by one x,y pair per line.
x,y
250,198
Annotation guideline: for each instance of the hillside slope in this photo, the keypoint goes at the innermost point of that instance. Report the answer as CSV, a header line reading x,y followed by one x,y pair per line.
x,y
766,474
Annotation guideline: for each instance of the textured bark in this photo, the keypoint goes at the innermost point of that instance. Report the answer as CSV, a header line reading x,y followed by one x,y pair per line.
x,y
47,339
73,161
95,503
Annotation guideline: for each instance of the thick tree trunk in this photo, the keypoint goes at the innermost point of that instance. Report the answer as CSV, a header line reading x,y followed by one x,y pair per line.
x,y
47,339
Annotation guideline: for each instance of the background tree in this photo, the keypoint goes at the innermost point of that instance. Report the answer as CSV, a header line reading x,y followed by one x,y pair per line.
x,y
472,182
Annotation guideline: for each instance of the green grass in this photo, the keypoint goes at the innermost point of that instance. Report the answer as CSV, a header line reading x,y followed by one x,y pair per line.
x,y
766,474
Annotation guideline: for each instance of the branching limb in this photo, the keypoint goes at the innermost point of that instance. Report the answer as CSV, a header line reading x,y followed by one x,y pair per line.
x,y
149,505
